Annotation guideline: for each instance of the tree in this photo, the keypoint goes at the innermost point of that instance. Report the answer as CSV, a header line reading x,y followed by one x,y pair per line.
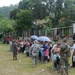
x,y
37,6
60,12
13,14
68,15
5,10
24,20
1,17
24,4
6,25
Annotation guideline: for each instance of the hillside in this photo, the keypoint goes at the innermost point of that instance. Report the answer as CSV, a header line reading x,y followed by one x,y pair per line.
x,y
5,10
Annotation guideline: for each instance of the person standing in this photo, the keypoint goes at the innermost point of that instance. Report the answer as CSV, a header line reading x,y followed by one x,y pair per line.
x,y
52,54
34,51
46,54
55,61
14,49
73,49
10,43
57,50
74,58
73,36
64,57
27,48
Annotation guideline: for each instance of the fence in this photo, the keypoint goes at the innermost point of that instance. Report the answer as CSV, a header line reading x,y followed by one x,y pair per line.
x,y
68,31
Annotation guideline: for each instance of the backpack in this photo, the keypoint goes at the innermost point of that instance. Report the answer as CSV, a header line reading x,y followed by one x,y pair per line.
x,y
65,49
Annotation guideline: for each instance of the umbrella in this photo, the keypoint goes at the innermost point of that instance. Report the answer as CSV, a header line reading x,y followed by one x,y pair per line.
x,y
34,37
44,38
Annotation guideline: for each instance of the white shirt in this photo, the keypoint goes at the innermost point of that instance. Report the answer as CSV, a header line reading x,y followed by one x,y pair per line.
x,y
73,48
54,47
73,58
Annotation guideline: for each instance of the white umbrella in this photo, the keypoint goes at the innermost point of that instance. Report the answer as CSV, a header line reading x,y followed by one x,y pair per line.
x,y
34,37
44,38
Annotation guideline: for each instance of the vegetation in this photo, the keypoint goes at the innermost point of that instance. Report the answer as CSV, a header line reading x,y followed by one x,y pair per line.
x,y
24,20
5,24
58,13
5,10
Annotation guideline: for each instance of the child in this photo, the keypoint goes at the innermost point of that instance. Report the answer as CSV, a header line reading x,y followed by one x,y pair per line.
x,y
55,60
45,54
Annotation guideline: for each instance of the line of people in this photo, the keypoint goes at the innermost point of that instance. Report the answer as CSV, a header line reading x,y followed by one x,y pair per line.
x,y
59,53
44,52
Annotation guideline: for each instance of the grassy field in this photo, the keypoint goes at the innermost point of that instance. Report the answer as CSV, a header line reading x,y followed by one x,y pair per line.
x,y
23,66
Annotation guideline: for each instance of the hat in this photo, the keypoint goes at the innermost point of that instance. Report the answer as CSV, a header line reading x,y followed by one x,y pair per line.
x,y
64,40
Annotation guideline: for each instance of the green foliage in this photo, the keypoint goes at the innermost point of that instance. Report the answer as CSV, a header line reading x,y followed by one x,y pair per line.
x,y
5,10
6,25
36,6
24,4
24,20
39,11
13,14
66,32
60,12
1,17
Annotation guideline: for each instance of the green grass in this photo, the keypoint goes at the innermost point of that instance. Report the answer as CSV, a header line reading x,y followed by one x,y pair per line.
x,y
10,67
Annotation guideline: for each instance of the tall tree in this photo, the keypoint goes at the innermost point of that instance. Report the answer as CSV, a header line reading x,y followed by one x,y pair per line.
x,y
24,20
13,14
37,6
5,10
6,25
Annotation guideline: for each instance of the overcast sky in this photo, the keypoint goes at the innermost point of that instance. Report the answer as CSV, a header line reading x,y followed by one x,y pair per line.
x,y
8,2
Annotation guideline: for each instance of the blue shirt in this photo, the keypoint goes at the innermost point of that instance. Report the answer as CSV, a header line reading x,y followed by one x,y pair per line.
x,y
55,57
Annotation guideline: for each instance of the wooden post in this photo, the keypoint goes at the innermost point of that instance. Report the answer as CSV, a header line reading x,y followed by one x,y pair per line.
x,y
73,27
45,32
52,33
4,34
26,36
55,31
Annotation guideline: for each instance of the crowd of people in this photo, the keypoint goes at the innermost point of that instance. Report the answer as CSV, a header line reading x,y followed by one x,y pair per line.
x,y
56,52
24,46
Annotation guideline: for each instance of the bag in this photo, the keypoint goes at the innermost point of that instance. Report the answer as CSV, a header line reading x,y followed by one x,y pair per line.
x,y
34,54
